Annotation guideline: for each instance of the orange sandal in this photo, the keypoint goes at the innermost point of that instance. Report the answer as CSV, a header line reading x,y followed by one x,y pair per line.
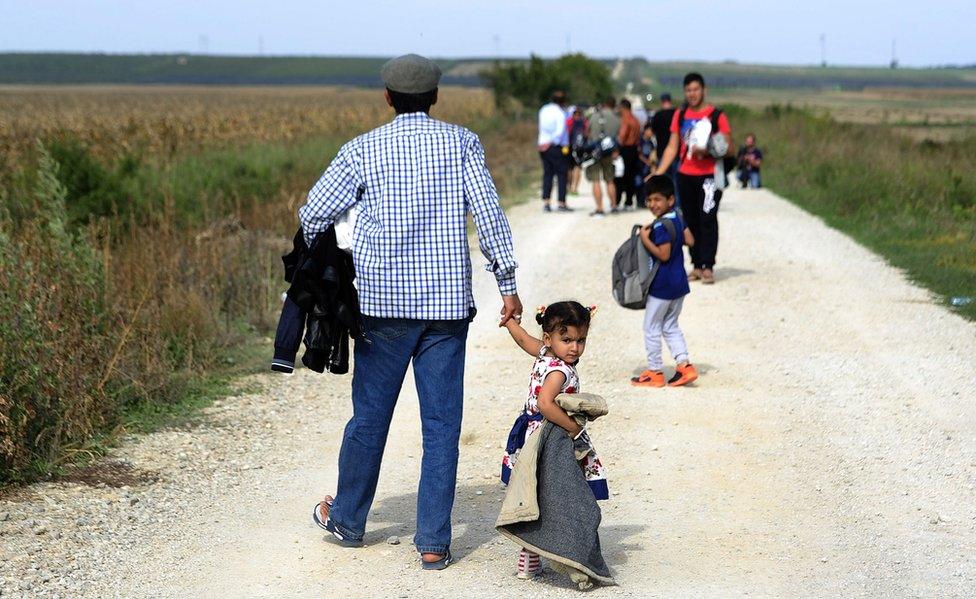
x,y
648,378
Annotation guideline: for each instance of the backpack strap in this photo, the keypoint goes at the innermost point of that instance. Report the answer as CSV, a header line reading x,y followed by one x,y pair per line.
x,y
668,226
716,113
672,231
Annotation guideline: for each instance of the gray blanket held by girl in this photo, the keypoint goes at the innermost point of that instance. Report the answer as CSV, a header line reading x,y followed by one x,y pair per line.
x,y
566,530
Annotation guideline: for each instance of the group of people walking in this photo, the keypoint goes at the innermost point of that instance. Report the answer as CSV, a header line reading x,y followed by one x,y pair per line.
x,y
408,186
618,152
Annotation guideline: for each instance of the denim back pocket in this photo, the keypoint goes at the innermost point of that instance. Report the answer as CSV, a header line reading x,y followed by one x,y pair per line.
x,y
447,327
387,329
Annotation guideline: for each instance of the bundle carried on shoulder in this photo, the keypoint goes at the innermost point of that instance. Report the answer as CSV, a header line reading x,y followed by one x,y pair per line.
x,y
549,507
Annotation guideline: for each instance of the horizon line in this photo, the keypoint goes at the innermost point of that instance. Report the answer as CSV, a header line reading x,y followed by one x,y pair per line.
x,y
474,58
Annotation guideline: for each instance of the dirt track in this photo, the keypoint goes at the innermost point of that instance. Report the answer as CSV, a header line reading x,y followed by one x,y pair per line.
x,y
828,449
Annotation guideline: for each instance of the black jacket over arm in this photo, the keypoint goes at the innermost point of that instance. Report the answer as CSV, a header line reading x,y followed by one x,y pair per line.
x,y
321,302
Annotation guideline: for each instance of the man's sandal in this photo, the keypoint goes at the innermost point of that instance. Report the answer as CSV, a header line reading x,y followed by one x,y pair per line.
x,y
328,526
440,564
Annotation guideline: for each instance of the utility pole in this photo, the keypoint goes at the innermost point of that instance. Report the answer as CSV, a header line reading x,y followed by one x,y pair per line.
x,y
260,45
496,41
823,50
894,55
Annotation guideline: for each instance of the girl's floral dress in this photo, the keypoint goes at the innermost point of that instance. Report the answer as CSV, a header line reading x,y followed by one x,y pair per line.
x,y
530,419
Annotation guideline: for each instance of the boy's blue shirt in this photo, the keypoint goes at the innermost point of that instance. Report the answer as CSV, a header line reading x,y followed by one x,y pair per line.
x,y
670,281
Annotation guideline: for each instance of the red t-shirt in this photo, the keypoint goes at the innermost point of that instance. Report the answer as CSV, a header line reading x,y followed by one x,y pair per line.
x,y
696,166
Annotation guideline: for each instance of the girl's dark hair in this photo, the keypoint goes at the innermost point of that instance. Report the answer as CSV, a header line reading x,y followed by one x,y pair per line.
x,y
561,315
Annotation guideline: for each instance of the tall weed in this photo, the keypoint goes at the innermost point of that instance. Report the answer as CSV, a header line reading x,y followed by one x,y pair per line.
x,y
54,338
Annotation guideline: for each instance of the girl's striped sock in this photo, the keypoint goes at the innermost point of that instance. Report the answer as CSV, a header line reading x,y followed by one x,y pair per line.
x,y
529,564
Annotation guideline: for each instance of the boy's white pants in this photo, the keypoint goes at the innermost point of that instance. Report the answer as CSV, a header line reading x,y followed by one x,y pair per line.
x,y
661,320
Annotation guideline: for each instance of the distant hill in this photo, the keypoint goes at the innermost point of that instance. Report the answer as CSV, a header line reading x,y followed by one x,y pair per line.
x,y
200,69
736,75
51,68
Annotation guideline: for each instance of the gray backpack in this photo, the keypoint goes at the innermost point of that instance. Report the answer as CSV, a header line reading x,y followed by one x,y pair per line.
x,y
632,272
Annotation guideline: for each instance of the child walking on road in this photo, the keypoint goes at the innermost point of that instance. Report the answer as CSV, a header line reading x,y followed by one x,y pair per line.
x,y
668,288
564,329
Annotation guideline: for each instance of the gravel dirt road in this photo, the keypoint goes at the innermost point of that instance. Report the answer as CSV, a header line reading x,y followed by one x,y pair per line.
x,y
829,448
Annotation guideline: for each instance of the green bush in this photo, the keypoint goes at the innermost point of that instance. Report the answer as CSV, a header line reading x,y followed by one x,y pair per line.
x,y
530,84
92,190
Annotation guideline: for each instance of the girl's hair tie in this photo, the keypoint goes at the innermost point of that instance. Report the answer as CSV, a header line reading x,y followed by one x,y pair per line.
x,y
540,314
592,310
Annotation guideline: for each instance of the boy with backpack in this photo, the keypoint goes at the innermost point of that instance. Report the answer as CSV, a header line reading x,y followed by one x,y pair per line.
x,y
664,239
701,135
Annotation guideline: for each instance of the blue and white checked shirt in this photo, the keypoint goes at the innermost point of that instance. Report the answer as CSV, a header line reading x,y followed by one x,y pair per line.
x,y
419,177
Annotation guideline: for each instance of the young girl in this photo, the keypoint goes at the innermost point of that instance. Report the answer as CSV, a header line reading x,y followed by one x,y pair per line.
x,y
564,329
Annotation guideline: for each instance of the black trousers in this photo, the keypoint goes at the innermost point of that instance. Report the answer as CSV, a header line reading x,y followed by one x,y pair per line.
x,y
626,184
699,203
554,164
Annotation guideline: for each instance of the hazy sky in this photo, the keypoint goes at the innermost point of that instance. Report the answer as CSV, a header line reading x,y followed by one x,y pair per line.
x,y
766,31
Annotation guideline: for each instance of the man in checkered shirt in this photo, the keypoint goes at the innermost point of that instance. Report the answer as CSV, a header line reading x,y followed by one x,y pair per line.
x,y
413,181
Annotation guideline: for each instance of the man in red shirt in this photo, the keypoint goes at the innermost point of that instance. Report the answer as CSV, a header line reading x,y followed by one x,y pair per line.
x,y
700,196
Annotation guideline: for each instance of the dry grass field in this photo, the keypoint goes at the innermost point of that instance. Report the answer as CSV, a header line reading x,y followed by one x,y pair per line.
x,y
140,235
169,120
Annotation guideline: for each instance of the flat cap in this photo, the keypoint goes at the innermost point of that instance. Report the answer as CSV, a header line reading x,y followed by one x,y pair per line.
x,y
411,74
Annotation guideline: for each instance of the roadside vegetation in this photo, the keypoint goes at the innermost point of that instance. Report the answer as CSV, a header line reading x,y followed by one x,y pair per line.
x,y
913,202
140,236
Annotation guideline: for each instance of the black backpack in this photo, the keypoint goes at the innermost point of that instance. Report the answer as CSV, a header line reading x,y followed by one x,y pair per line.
x,y
728,162
631,271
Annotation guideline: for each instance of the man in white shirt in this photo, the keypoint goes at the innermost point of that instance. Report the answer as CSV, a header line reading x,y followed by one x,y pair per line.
x,y
554,150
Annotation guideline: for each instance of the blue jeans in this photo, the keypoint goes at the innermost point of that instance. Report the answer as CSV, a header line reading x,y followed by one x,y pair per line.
x,y
554,164
436,348
750,179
